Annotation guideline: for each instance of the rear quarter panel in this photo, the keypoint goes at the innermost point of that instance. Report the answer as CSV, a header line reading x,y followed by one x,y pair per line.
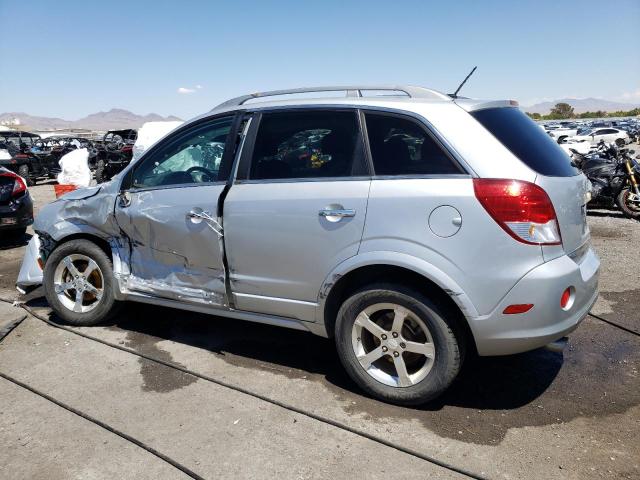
x,y
481,258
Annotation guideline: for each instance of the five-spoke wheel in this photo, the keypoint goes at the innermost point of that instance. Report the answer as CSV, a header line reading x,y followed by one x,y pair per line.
x,y
397,344
78,282
393,344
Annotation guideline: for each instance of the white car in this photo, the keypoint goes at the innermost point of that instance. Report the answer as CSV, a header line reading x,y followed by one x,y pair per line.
x,y
594,136
562,133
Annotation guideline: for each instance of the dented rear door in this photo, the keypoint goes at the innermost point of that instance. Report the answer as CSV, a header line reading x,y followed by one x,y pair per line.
x,y
170,215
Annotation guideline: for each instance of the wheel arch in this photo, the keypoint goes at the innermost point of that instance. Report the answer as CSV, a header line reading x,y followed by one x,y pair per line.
x,y
82,235
394,268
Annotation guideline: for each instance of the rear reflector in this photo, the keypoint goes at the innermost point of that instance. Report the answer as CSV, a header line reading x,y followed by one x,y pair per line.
x,y
518,308
522,209
564,300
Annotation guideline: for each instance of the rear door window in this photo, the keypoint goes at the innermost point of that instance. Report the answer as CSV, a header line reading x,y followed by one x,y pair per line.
x,y
400,146
526,140
307,144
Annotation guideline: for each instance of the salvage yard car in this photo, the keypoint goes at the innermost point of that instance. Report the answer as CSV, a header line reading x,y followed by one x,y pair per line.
x,y
113,154
16,207
412,228
15,155
597,135
51,149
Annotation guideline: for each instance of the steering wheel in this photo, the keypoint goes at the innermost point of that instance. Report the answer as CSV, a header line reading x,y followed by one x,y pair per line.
x,y
207,175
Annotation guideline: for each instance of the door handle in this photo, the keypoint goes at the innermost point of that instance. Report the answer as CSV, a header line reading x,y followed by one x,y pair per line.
x,y
336,214
201,214
197,215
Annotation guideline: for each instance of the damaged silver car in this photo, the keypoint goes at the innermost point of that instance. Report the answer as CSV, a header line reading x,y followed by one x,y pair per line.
x,y
412,228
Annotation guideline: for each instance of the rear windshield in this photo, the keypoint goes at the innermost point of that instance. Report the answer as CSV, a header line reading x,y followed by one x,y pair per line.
x,y
526,140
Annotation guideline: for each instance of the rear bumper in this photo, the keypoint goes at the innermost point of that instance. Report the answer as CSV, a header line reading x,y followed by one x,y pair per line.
x,y
19,213
500,334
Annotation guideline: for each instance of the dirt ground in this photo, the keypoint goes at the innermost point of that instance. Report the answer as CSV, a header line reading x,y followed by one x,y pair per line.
x,y
537,415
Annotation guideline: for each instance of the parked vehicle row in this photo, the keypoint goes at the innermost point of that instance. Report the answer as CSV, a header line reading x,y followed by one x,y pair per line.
x,y
33,157
593,132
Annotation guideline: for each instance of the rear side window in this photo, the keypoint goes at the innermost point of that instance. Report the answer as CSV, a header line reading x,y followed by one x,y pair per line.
x,y
307,144
526,141
400,146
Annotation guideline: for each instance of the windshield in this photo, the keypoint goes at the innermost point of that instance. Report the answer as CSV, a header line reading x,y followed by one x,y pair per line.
x,y
526,140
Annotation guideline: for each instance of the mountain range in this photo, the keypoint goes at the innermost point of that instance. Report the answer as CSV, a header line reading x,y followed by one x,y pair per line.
x,y
113,119
581,105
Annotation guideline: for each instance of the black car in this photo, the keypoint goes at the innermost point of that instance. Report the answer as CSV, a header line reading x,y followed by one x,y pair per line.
x,y
16,207
114,153
16,155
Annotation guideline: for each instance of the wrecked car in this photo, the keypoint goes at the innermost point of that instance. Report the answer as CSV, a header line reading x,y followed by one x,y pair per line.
x,y
16,155
412,228
114,153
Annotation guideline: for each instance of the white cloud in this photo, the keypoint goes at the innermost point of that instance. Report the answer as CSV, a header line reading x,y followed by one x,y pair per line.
x,y
185,90
631,95
198,87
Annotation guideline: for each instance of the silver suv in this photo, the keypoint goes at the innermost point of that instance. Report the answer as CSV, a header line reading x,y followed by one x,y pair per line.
x,y
412,227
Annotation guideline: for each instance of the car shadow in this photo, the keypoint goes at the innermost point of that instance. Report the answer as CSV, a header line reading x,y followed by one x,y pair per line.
x,y
495,383
605,213
9,241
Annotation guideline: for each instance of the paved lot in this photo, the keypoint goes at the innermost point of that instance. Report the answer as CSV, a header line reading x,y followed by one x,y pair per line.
x,y
537,415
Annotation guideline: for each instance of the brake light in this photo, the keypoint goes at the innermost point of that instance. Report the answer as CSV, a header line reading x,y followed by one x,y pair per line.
x,y
19,186
522,209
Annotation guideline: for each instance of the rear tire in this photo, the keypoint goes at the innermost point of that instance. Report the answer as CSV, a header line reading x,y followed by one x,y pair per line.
x,y
78,283
23,171
99,173
409,362
630,209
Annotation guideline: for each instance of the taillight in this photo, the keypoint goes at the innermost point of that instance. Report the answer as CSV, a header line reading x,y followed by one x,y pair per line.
x,y
522,209
19,186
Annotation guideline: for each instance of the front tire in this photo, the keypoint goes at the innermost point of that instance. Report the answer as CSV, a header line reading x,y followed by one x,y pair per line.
x,y
397,345
631,209
78,283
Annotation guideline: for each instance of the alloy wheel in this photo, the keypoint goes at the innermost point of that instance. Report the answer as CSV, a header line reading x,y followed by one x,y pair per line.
x,y
393,344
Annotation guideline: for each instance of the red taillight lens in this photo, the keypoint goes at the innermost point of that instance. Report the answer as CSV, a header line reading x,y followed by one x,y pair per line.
x,y
519,308
522,209
19,186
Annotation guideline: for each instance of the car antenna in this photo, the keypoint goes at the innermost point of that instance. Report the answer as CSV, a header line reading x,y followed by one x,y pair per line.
x,y
455,94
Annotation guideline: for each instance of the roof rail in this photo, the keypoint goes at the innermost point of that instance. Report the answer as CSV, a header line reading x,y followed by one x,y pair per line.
x,y
351,91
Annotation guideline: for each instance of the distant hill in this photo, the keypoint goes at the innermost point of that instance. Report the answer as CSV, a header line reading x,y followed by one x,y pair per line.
x,y
113,119
581,105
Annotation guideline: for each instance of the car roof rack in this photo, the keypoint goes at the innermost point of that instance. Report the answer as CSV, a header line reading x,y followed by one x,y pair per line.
x,y
351,91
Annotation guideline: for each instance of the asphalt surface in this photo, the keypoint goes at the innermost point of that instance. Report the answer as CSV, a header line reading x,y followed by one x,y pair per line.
x,y
573,415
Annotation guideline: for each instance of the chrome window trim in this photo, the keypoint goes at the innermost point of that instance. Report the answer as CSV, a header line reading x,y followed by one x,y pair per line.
x,y
176,185
306,180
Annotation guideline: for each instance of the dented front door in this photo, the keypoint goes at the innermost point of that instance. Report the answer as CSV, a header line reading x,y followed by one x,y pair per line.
x,y
169,216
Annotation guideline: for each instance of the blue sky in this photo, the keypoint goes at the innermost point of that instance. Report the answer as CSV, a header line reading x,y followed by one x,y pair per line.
x,y
69,59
